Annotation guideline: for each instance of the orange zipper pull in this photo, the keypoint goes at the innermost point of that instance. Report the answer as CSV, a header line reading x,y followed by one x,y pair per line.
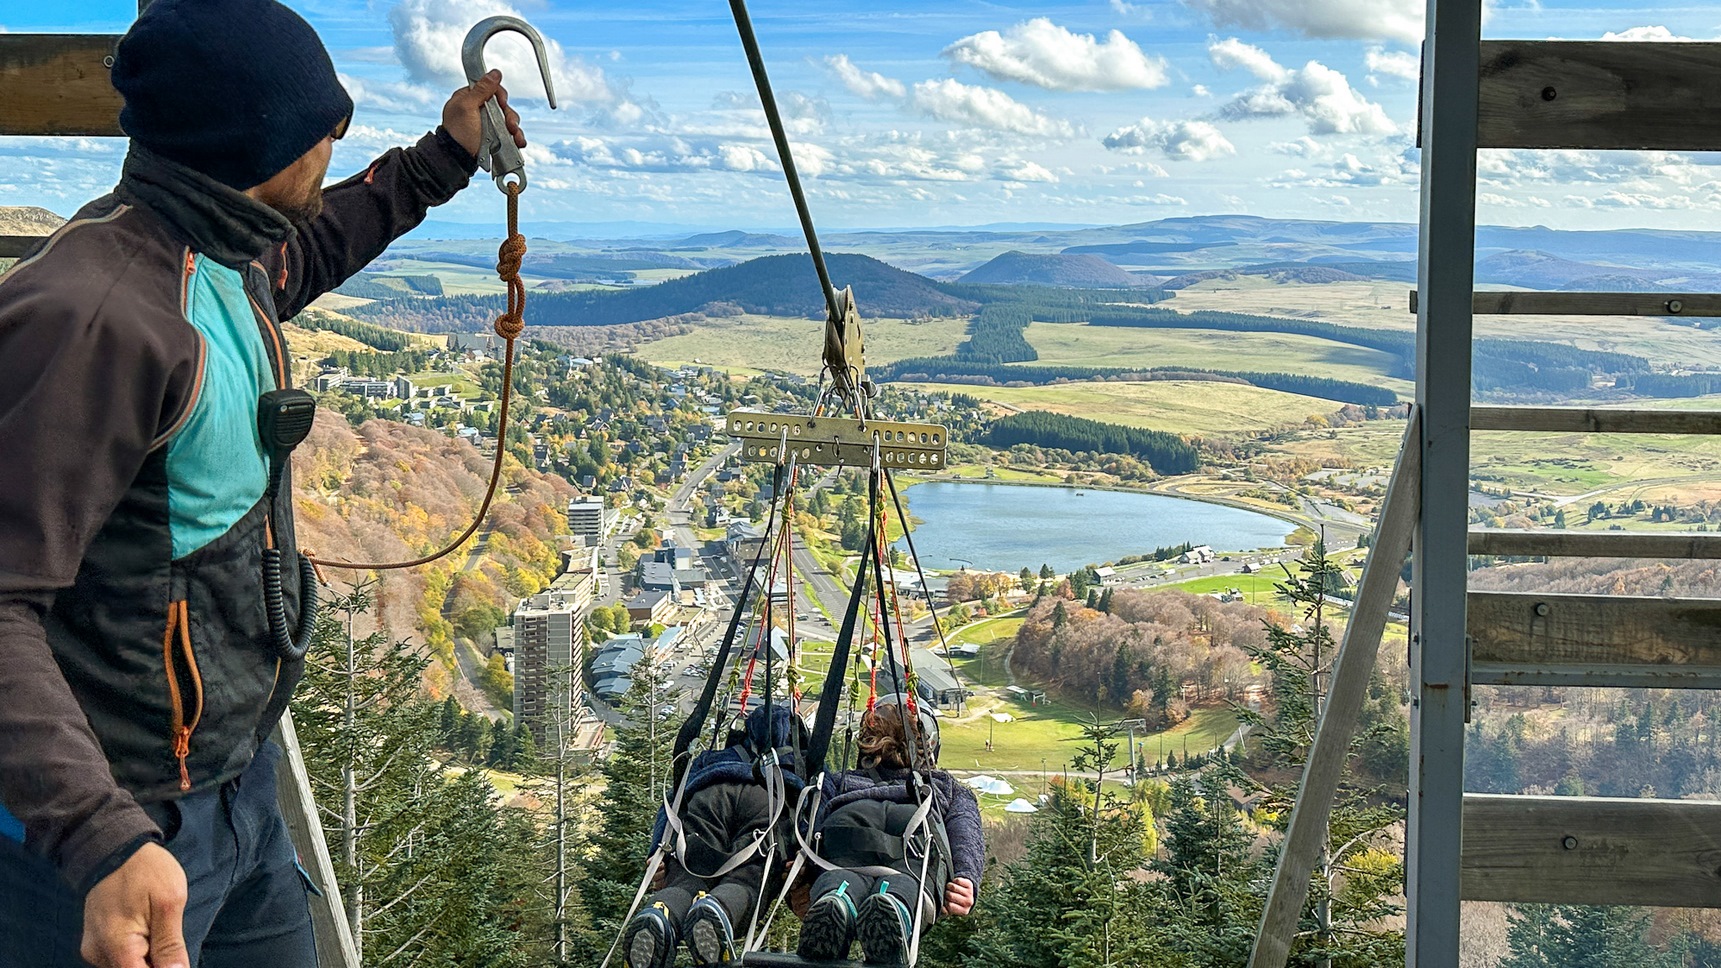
x,y
181,750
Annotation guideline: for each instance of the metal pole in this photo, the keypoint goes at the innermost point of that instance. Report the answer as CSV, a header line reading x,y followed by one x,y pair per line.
x,y
1439,650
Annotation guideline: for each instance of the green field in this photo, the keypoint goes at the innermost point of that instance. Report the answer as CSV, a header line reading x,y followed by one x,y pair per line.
x,y
1197,408
1562,465
1046,736
1064,344
754,343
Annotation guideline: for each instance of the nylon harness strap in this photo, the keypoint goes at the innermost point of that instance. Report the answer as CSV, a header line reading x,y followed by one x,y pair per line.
x,y
695,721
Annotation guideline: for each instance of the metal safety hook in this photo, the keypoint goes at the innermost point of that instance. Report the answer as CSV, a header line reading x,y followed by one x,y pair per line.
x,y
497,154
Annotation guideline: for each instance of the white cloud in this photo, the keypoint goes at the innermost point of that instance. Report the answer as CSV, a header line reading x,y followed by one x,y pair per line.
x,y
396,97
1027,171
1046,55
1319,95
983,107
1304,147
1394,63
1399,20
868,84
428,36
1119,7
1652,34
1200,90
1233,53
1177,140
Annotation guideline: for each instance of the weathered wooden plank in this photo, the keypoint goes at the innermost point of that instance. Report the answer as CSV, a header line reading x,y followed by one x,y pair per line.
x,y
57,84
1580,420
335,948
1599,95
1592,850
1682,545
1491,303
1352,669
1612,641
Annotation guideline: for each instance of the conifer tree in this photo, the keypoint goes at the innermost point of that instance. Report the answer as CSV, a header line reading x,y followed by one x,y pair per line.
x,y
1347,902
1571,936
636,773
1071,902
428,867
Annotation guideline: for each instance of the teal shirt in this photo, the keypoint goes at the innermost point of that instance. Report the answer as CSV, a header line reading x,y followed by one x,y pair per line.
x,y
216,467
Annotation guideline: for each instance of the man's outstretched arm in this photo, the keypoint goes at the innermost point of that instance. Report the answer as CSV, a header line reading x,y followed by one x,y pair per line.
x,y
366,212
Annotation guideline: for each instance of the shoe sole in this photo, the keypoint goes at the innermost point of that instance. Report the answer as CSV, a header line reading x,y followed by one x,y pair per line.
x,y
822,937
642,950
880,934
705,942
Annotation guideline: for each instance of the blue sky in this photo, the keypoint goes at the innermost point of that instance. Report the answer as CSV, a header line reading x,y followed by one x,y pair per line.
x,y
956,112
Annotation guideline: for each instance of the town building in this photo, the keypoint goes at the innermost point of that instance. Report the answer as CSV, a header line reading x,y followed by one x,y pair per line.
x,y
591,518
548,631
651,606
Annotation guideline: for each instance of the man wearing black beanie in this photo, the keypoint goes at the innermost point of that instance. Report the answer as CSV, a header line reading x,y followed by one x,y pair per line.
x,y
140,674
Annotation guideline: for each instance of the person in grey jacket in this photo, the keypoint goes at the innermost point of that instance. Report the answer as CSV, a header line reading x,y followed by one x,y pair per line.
x,y
140,671
887,863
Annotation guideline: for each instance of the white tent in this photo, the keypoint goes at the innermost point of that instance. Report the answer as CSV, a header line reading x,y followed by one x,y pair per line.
x,y
1020,805
997,787
980,782
1003,717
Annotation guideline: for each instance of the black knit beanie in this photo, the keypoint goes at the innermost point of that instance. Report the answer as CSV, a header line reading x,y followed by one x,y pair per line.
x,y
235,89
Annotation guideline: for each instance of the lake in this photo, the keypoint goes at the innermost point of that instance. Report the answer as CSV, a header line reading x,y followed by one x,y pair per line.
x,y
1004,527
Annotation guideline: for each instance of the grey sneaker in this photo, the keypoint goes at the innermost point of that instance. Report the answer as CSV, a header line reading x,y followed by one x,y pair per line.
x,y
710,936
650,941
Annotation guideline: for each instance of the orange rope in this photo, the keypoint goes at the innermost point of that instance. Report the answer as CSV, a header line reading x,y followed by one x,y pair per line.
x,y
509,325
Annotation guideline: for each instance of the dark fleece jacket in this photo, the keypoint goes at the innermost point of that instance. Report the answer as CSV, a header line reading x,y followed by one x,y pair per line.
x,y
953,803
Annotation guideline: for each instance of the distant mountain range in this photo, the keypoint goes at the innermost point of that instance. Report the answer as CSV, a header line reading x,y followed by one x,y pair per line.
x,y
779,285
1056,269
1532,258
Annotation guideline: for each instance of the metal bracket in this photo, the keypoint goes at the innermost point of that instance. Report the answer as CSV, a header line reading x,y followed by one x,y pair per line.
x,y
838,441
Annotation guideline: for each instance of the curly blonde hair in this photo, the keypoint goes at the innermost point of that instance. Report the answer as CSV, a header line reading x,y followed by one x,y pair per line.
x,y
882,742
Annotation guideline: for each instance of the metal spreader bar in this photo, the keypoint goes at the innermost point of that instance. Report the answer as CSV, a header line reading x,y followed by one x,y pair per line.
x,y
838,441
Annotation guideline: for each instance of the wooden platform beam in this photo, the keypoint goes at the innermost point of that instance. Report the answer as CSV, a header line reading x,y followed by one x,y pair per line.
x,y
1352,669
1597,95
1592,850
335,948
57,84
1490,303
1582,420
1704,546
1607,641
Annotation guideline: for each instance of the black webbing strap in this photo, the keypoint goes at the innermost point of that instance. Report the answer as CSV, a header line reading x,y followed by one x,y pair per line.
x,y
696,720
909,720
830,693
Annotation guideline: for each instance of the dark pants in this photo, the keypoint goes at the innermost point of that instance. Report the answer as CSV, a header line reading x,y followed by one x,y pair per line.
x,y
721,821
247,904
872,833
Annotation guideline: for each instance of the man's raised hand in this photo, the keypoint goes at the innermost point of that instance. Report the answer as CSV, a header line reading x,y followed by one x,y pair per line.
x,y
464,110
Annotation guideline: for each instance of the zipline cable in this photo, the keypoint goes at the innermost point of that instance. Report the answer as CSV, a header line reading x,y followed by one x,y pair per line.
x,y
774,118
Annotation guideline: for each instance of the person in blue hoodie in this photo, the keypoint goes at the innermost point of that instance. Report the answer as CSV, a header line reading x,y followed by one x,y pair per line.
x,y
890,856
727,811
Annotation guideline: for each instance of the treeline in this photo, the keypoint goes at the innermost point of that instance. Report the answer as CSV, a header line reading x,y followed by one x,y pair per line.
x,y
1670,384
379,365
997,333
370,285
375,337
1499,364
1142,651
931,369
1166,453
781,285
